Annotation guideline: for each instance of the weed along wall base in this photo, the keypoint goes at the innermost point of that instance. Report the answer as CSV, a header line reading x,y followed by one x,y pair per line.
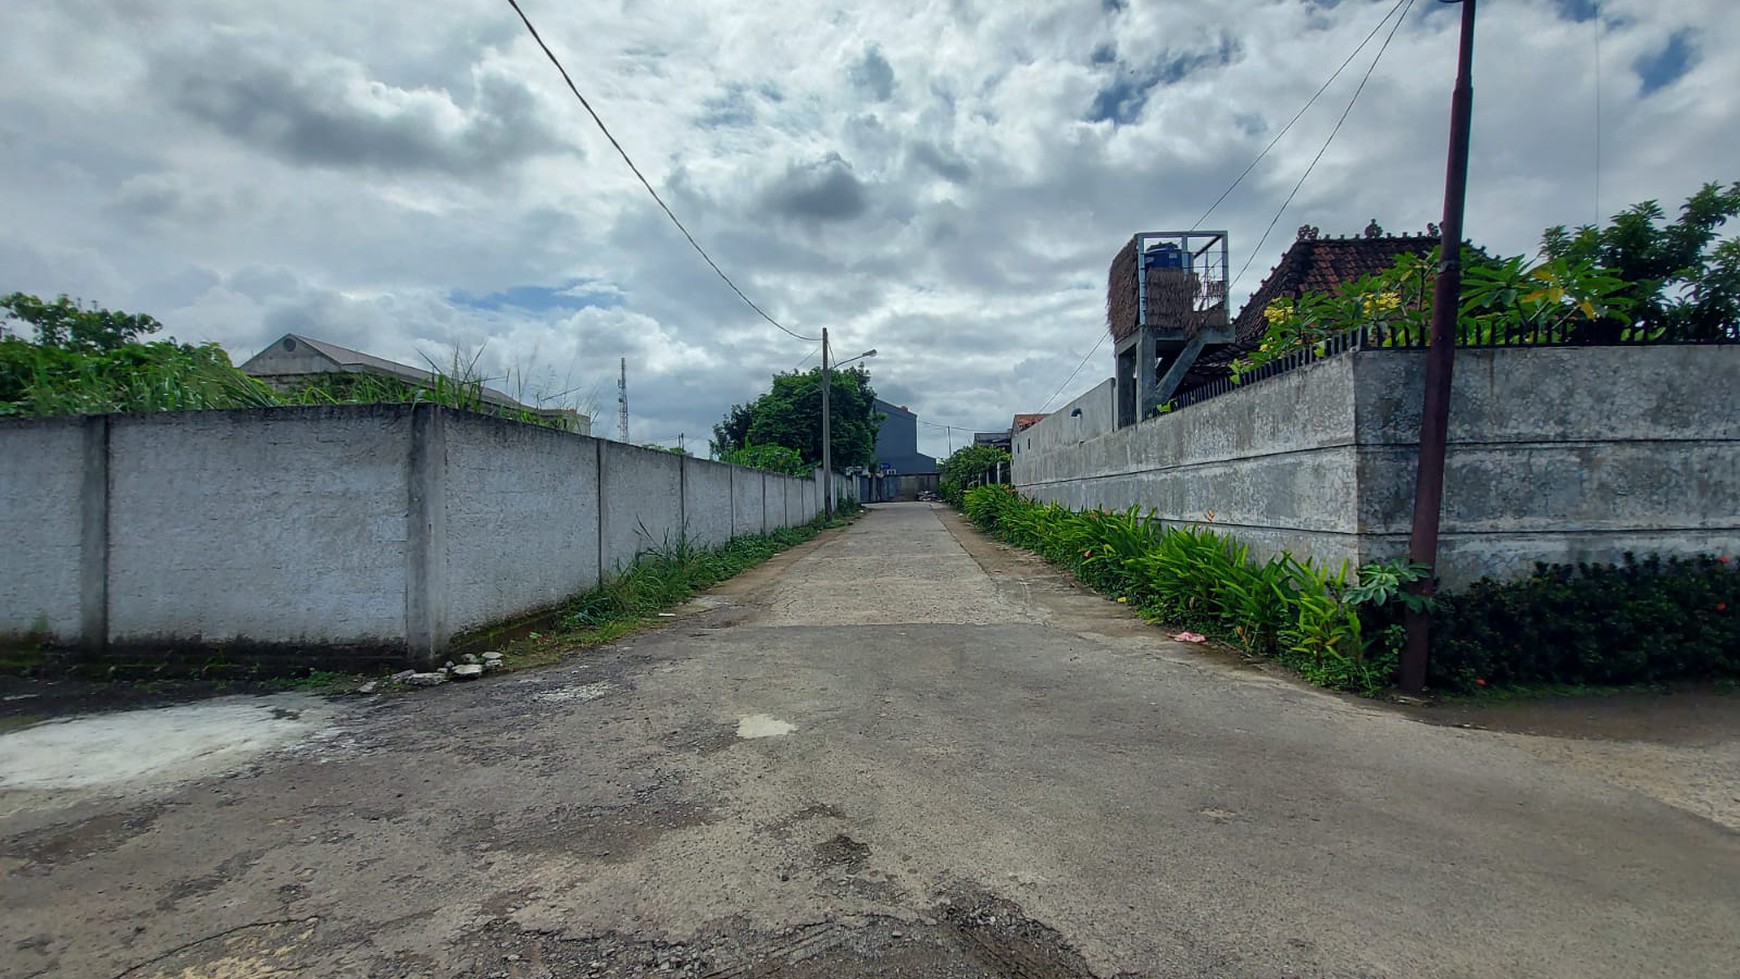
x,y
348,535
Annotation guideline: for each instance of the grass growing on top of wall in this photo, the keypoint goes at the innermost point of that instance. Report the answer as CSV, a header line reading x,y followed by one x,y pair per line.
x,y
1593,625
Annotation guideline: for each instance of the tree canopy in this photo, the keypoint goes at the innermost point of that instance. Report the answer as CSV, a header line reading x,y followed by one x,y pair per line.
x,y
790,415
90,360
68,323
1680,279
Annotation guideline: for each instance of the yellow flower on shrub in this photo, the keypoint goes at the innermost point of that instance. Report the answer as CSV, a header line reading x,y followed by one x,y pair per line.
x,y
1277,311
1382,302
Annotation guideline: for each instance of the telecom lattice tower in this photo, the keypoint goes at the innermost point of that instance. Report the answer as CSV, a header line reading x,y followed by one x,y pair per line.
x,y
622,403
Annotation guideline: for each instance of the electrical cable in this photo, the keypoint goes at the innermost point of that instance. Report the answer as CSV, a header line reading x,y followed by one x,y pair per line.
x,y
644,182
1073,373
1325,148
1253,164
1297,115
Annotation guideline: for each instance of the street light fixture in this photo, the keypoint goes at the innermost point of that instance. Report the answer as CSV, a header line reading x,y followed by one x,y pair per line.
x,y
827,446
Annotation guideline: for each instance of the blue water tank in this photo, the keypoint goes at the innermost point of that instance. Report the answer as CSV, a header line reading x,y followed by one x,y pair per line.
x,y
1164,255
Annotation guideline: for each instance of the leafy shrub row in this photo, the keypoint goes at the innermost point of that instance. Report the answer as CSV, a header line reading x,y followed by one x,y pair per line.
x,y
1642,621
1303,614
1638,622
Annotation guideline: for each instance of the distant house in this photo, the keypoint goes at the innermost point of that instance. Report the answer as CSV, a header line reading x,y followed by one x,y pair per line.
x,y
1313,264
294,361
1005,439
897,440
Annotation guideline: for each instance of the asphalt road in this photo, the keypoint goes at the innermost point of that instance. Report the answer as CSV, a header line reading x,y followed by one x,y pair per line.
x,y
886,754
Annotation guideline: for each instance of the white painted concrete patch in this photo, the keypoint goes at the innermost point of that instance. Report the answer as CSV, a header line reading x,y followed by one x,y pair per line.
x,y
763,726
123,752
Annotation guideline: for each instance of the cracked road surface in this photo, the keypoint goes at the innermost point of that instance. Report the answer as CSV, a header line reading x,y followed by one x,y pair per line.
x,y
900,751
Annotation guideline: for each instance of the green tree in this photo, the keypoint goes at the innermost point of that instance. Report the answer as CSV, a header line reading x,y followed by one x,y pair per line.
x,y
69,323
90,360
968,465
1681,280
790,414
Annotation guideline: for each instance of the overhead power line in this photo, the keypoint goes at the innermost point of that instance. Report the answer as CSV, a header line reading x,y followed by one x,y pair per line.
x,y
1399,5
1325,147
951,428
1302,110
645,183
1073,373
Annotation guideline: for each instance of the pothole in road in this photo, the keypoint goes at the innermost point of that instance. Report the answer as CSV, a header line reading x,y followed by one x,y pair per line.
x,y
842,852
575,694
87,837
763,726
972,935
599,832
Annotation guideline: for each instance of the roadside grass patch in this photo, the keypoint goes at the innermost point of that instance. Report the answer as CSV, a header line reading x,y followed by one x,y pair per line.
x,y
659,580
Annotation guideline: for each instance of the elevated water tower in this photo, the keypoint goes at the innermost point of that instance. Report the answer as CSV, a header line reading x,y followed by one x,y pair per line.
x,y
1165,304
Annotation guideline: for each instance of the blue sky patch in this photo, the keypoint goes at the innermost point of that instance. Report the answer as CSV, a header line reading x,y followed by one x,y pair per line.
x,y
1670,64
1121,102
538,299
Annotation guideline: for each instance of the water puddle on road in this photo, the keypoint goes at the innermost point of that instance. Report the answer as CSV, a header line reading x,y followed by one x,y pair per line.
x,y
763,726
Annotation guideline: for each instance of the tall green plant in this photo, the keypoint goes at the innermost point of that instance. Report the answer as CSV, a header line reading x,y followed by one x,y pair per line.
x,y
1504,301
969,465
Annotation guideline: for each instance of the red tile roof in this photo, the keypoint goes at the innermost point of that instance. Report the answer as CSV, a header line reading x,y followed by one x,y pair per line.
x,y
1024,422
1313,264
1318,264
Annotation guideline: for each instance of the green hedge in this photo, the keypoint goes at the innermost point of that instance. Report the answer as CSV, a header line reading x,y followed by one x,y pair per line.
x,y
1638,622
1341,627
1301,613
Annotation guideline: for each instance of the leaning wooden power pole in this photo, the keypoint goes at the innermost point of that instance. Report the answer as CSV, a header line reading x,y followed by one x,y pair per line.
x,y
1440,362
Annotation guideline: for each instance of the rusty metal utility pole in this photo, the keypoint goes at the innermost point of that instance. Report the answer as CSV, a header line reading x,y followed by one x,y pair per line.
x,y
1440,362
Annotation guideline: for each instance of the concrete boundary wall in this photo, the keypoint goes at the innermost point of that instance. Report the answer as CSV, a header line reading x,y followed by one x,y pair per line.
x,y
1273,463
1556,454
338,536
709,504
53,488
747,491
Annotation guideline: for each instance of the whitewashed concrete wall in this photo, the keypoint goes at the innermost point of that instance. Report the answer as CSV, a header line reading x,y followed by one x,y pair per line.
x,y
748,492
521,516
709,510
223,530
377,533
44,538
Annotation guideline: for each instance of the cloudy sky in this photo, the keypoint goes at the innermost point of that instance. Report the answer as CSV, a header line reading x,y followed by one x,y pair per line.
x,y
944,181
